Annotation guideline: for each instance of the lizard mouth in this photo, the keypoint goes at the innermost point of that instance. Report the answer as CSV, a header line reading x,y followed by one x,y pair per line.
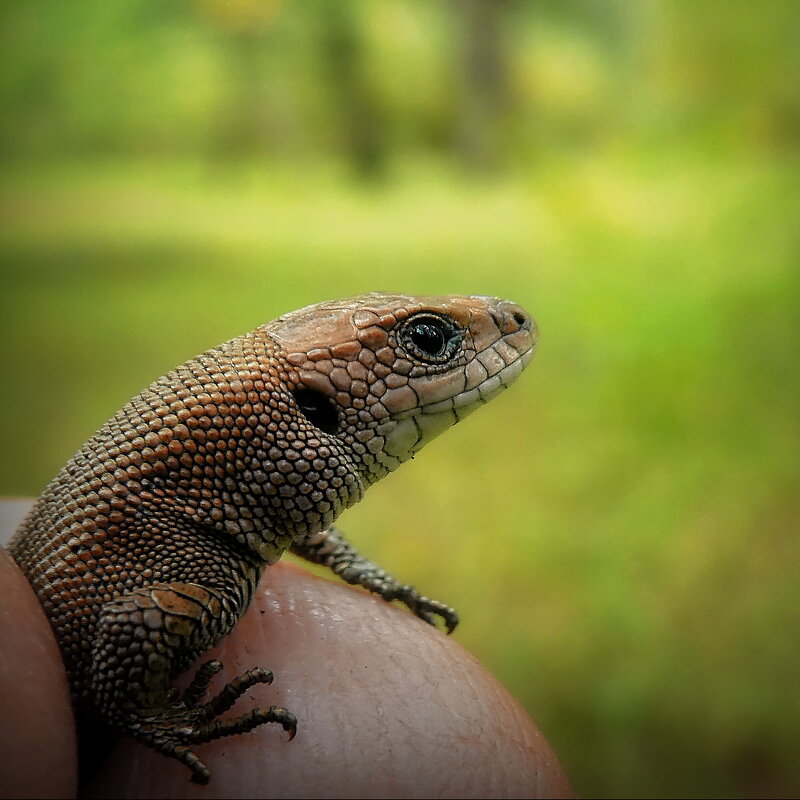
x,y
515,357
496,368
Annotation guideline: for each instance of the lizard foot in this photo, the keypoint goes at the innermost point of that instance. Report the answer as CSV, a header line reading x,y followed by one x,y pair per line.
x,y
184,721
331,549
425,608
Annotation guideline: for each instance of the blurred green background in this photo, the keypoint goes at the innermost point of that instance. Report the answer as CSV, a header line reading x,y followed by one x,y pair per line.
x,y
620,531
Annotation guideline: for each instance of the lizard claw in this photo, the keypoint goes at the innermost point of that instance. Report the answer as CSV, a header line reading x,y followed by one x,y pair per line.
x,y
425,608
289,723
184,721
433,607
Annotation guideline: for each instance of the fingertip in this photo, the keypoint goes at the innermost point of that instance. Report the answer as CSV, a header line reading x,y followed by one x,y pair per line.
x,y
383,704
37,734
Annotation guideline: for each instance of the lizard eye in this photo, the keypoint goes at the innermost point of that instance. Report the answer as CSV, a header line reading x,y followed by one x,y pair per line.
x,y
430,337
318,409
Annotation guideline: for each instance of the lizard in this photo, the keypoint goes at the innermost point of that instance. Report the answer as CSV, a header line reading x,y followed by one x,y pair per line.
x,y
148,545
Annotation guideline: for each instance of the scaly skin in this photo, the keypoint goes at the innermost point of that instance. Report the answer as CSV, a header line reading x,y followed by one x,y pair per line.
x,y
148,545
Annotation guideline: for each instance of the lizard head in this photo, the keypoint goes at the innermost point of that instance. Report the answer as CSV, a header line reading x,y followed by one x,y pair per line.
x,y
379,376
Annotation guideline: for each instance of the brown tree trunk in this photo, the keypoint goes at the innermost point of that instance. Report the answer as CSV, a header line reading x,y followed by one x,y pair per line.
x,y
358,108
485,93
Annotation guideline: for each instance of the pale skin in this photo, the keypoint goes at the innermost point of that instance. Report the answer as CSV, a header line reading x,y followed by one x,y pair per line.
x,y
390,706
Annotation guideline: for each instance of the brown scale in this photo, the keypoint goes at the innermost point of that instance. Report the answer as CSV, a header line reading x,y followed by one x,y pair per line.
x,y
147,547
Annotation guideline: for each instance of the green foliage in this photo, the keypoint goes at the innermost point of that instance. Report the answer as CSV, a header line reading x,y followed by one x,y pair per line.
x,y
619,531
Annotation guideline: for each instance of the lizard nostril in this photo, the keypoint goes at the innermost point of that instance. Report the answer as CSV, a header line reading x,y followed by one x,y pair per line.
x,y
511,318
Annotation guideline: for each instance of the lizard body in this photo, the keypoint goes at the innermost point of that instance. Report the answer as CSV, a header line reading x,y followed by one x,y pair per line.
x,y
148,545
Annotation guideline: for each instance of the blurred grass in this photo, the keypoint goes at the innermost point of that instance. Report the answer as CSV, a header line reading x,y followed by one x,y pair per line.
x,y
618,532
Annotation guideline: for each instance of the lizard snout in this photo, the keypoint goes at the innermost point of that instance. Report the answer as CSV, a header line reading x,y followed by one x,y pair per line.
x,y
511,318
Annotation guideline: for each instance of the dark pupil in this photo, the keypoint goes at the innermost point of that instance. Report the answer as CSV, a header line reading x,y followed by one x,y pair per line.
x,y
428,338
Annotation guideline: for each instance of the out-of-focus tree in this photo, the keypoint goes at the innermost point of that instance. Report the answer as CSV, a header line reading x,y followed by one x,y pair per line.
x,y
493,82
355,100
481,137
242,27
735,71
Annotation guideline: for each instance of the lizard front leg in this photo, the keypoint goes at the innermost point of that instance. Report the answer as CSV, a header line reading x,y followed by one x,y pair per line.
x,y
143,640
331,549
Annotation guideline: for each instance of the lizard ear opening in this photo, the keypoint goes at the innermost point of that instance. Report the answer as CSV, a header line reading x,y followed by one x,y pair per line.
x,y
318,409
